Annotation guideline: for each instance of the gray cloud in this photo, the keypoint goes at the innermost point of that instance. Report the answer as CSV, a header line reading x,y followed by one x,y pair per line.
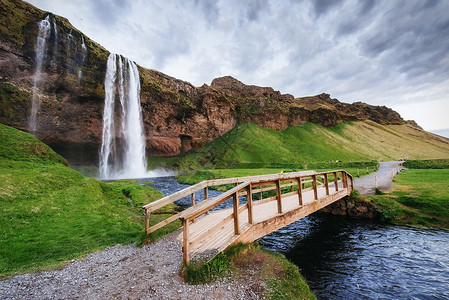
x,y
383,52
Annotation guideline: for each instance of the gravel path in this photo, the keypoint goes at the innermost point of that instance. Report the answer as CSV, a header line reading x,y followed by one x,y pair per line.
x,y
366,184
124,272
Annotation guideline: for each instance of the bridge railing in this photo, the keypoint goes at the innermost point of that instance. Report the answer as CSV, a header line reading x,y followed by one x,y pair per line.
x,y
258,186
192,190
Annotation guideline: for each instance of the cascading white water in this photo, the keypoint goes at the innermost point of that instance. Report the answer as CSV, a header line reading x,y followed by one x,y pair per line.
x,y
125,159
44,29
83,57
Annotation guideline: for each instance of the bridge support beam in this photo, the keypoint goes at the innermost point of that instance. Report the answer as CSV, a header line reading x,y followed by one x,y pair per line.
x,y
326,183
336,181
279,196
299,191
235,200
249,200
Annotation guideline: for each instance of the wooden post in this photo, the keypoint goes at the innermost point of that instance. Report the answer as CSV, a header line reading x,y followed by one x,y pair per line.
x,y
326,183
249,200
185,241
291,187
206,193
392,174
299,191
235,202
344,178
260,193
192,199
336,181
352,183
375,181
279,196
315,191
147,222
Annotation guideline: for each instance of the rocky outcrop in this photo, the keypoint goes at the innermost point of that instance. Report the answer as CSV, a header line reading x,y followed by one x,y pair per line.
x,y
352,207
177,116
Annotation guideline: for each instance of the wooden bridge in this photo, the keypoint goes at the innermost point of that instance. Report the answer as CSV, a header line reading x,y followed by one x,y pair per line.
x,y
260,205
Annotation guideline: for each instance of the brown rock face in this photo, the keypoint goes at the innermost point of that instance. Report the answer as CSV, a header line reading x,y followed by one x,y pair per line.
x,y
177,116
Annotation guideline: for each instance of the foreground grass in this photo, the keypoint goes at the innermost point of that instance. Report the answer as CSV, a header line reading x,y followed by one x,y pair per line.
x,y
50,213
420,197
271,273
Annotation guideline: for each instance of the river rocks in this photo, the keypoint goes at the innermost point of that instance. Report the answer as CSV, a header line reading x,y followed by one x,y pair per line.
x,y
351,207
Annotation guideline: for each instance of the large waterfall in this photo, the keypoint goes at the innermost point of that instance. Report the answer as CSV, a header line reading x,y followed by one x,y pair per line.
x,y
44,29
122,153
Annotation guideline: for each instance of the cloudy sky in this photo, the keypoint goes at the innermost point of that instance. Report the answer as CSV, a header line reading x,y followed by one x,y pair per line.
x,y
391,52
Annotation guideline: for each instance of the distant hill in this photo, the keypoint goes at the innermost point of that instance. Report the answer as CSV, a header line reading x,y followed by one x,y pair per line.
x,y
252,146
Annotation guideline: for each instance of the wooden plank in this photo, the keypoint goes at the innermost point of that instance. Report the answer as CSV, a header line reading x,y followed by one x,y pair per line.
x,y
211,230
249,201
174,197
326,183
279,197
336,181
235,202
147,222
185,241
202,208
206,193
192,199
299,190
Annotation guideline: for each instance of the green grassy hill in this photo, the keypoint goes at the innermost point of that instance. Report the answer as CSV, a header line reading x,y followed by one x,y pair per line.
x,y
50,213
251,146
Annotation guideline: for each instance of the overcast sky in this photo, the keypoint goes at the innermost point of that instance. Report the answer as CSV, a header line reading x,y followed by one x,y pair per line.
x,y
392,53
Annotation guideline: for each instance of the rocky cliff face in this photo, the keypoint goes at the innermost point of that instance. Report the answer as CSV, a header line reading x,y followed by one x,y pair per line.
x,y
177,115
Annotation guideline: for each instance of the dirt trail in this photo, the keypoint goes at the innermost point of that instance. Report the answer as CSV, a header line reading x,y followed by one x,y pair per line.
x,y
366,184
124,272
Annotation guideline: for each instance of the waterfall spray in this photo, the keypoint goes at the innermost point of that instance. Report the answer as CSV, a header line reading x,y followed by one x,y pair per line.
x,y
44,29
124,157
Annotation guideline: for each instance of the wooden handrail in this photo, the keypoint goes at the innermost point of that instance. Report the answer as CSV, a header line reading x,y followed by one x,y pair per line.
x,y
209,203
246,187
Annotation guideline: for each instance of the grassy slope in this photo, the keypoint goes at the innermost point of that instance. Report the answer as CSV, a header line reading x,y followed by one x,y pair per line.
x,y
249,145
50,213
420,197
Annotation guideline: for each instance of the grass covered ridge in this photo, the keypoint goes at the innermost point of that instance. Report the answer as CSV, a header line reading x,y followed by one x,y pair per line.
x,y
50,213
299,147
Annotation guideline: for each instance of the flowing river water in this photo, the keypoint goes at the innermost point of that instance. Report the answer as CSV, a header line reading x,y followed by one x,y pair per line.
x,y
344,258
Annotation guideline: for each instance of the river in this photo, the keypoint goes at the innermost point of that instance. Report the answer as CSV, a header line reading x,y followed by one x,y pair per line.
x,y
344,258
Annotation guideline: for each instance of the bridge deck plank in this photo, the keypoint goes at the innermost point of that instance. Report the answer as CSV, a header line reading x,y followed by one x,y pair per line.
x,y
225,232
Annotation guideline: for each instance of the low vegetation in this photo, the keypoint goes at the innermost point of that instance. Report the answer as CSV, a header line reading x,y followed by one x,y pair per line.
x,y
271,274
50,213
420,195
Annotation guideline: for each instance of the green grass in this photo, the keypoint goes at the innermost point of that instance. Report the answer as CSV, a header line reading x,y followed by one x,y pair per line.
x,y
281,279
420,197
310,146
50,213
427,164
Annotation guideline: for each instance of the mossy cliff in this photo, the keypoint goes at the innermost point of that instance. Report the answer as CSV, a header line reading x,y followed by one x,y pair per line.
x,y
177,115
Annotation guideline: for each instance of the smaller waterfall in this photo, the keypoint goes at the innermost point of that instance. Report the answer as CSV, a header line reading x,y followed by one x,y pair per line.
x,y
122,153
83,57
44,29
